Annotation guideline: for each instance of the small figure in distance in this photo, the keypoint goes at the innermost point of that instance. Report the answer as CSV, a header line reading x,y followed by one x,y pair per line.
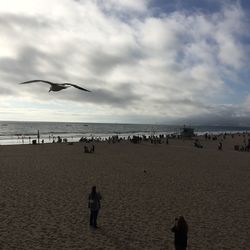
x,y
197,144
180,230
92,150
86,149
167,140
94,205
220,146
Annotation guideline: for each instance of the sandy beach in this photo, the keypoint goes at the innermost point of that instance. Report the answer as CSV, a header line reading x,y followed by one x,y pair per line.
x,y
44,190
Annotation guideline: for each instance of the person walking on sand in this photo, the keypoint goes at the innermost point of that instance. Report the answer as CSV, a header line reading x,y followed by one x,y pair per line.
x,y
94,206
180,230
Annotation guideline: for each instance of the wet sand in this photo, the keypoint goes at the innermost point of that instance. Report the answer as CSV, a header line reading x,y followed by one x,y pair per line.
x,y
44,189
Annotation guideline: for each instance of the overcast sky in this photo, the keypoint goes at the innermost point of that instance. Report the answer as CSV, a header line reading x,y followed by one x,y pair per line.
x,y
145,61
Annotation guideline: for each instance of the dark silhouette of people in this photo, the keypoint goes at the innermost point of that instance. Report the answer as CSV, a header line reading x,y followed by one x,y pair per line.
x,y
248,145
180,230
167,140
94,205
220,146
197,144
86,149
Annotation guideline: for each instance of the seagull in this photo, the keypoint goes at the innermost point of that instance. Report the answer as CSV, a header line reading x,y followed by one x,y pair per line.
x,y
57,86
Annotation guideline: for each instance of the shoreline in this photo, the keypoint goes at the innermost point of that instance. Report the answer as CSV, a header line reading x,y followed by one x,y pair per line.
x,y
102,137
220,137
18,133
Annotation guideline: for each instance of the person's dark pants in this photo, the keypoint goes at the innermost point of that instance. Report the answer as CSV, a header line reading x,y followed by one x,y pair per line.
x,y
178,247
93,218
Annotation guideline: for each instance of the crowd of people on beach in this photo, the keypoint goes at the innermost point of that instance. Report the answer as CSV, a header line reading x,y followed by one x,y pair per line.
x,y
180,228
165,139
152,139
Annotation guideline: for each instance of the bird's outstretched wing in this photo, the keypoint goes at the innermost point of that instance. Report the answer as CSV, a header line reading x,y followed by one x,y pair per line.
x,y
51,83
57,84
76,86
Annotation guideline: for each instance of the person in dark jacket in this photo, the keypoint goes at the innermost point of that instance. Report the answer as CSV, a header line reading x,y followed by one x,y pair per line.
x,y
94,206
180,230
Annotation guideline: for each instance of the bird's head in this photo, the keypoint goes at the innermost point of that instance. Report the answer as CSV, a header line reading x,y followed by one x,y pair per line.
x,y
50,89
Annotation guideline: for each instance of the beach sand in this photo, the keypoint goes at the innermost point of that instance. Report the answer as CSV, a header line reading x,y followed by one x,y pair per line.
x,y
44,190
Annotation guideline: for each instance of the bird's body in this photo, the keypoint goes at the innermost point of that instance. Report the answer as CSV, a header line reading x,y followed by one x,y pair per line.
x,y
57,86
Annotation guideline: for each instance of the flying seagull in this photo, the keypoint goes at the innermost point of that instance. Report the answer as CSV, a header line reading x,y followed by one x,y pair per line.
x,y
57,86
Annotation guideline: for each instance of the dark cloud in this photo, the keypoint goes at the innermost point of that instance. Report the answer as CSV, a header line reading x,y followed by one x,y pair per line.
x,y
121,96
219,116
182,102
27,65
102,62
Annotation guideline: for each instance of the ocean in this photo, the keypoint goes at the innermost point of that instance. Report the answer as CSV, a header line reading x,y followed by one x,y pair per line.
x,y
16,132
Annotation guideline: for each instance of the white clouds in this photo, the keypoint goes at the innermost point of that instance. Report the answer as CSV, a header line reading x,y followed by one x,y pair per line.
x,y
158,35
229,25
137,65
125,6
230,53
